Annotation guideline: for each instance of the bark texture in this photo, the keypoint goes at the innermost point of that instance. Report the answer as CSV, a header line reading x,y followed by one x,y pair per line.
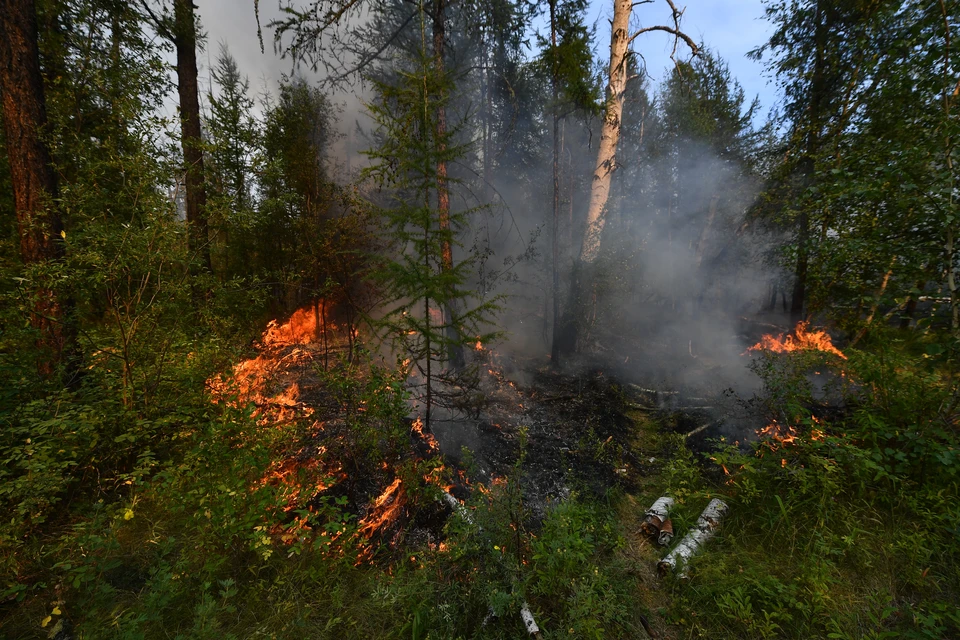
x,y
32,174
610,131
185,41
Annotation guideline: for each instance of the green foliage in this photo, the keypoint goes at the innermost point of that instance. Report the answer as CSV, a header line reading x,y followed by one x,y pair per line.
x,y
839,529
419,276
570,61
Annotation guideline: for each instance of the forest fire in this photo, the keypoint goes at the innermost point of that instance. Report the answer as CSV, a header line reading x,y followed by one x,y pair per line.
x,y
777,433
280,382
384,511
301,328
282,346
803,339
418,428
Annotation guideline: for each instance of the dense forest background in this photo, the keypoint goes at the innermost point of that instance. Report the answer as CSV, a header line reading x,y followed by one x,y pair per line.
x,y
518,199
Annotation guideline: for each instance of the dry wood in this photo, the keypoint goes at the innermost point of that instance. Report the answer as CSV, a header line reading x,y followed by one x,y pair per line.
x,y
699,429
706,526
655,515
666,533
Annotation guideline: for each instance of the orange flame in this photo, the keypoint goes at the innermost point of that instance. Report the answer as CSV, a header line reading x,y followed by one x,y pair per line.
x,y
803,339
417,427
301,328
385,510
777,433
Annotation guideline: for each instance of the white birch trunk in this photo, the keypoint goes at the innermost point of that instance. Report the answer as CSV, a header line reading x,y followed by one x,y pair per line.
x,y
610,132
706,526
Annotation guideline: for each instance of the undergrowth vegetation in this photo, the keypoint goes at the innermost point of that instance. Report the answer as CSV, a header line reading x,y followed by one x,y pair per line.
x,y
844,522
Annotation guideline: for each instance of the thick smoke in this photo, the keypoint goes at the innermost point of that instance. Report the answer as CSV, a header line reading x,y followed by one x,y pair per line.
x,y
679,271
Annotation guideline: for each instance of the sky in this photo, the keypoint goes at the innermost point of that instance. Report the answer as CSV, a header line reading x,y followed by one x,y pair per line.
x,y
729,27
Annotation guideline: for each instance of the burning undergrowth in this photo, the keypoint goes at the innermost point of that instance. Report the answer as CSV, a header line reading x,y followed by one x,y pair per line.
x,y
356,471
351,470
361,468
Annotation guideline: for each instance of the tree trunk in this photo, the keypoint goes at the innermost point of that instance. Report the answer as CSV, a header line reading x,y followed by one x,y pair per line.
x,y
911,307
877,297
800,272
610,131
33,178
454,346
554,82
567,334
702,242
185,40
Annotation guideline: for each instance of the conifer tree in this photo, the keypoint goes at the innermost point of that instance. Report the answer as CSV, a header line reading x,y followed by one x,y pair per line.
x,y
420,279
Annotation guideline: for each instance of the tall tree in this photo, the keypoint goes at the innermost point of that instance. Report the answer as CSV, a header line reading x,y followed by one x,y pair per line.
x,y
455,351
185,41
322,35
234,140
420,278
823,52
31,170
620,39
567,58
182,32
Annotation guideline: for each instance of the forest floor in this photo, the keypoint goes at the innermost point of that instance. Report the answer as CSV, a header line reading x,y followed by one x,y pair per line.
x,y
588,436
313,506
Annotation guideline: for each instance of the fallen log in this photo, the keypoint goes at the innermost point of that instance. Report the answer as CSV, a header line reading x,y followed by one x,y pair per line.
x,y
700,429
639,407
655,516
652,391
703,530
666,533
528,621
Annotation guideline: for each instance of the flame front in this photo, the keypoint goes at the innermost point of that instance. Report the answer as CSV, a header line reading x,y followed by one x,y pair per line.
x,y
803,339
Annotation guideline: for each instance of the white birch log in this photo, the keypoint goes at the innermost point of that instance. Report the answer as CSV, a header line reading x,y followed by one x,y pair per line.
x,y
528,620
655,515
706,526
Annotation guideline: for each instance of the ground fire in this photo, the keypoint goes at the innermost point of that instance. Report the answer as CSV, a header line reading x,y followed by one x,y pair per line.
x,y
802,339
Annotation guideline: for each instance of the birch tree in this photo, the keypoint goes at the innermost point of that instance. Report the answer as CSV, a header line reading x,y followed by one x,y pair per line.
x,y
617,79
620,39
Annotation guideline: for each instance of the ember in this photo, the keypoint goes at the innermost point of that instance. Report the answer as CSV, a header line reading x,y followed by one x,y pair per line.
x,y
803,339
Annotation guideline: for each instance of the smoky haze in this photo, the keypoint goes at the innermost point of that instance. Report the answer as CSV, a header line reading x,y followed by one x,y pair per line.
x,y
680,270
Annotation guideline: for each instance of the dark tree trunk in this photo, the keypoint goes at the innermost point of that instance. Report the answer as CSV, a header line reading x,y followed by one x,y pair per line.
x,y
554,82
185,40
800,272
454,346
33,178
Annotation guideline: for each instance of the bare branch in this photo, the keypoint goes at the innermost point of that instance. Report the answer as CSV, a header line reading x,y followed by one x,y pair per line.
x,y
694,48
675,31
157,22
375,54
